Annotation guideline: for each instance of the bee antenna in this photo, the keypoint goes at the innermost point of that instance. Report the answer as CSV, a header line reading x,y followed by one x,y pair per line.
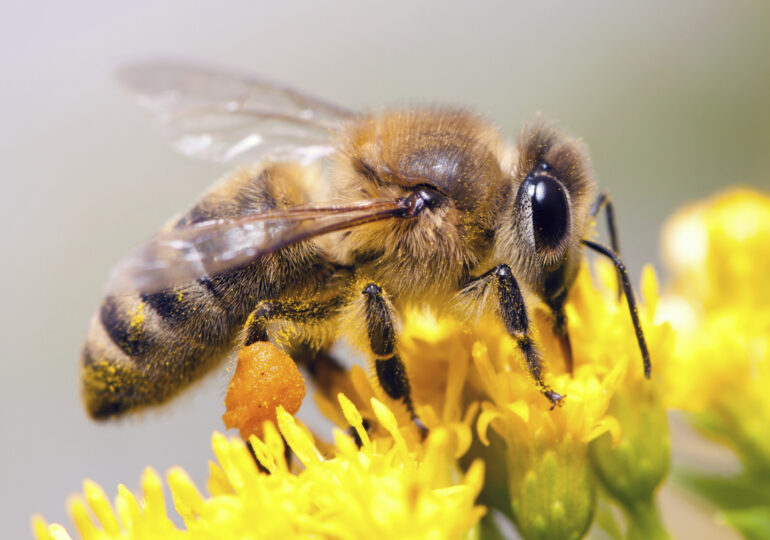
x,y
630,298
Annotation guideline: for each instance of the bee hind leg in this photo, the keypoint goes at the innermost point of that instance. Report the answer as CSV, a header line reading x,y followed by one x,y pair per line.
x,y
320,366
325,371
390,369
256,327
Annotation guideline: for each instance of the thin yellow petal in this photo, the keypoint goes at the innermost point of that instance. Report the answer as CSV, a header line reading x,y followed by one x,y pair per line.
x,y
608,423
388,420
520,408
263,454
58,532
127,508
218,484
482,424
649,288
40,528
81,518
101,507
275,444
187,500
353,417
435,456
345,445
474,477
297,439
154,501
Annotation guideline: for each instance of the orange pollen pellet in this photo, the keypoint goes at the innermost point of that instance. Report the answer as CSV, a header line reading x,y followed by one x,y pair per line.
x,y
265,378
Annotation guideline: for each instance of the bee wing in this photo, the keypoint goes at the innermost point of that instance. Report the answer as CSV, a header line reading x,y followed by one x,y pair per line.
x,y
187,253
231,118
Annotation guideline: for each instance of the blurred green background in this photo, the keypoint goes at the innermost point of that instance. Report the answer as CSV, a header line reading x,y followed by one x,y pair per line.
x,y
672,98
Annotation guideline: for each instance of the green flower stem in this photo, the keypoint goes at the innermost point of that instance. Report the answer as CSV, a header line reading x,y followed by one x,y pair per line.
x,y
644,521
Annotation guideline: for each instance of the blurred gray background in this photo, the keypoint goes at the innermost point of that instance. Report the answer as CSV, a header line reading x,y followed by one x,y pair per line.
x,y
672,99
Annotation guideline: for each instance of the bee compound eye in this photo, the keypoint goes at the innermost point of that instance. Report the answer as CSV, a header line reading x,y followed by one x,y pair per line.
x,y
550,210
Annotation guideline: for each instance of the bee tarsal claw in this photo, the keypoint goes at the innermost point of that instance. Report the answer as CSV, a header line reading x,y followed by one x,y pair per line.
x,y
422,429
556,399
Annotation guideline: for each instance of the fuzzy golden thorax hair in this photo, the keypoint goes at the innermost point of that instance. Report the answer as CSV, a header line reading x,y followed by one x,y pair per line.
x,y
389,155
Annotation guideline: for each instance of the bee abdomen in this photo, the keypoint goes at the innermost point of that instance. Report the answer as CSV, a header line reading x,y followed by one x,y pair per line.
x,y
134,357
125,327
143,347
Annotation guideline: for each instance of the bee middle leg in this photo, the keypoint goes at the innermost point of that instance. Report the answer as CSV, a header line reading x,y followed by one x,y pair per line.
x,y
513,311
390,369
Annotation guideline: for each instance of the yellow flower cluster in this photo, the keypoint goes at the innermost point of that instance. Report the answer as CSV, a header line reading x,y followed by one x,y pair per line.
x,y
381,490
719,252
542,468
473,383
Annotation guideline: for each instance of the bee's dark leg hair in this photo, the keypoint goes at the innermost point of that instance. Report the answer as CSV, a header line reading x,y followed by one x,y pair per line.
x,y
604,201
514,314
391,372
300,312
630,298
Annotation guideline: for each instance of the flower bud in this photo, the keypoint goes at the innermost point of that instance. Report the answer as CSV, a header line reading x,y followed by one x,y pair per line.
x,y
553,493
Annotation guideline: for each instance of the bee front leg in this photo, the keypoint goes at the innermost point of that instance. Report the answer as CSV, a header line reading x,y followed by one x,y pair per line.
x,y
604,202
514,314
390,369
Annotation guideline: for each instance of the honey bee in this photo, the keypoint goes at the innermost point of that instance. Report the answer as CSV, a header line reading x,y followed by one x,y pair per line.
x,y
337,213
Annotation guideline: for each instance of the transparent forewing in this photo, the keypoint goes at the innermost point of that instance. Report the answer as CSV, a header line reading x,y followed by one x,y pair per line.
x,y
185,254
231,118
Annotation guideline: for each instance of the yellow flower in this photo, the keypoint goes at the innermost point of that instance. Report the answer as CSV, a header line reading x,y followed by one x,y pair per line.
x,y
472,381
552,486
719,251
494,439
382,490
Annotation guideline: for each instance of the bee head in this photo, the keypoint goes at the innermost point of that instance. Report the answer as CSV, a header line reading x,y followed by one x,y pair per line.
x,y
547,212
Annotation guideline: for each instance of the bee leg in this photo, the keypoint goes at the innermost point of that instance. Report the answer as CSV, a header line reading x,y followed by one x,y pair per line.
x,y
256,330
390,369
514,314
325,370
630,300
603,201
300,313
